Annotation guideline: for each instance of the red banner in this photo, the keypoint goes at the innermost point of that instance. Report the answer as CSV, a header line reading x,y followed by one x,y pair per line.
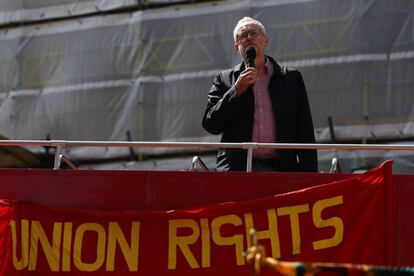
x,y
347,221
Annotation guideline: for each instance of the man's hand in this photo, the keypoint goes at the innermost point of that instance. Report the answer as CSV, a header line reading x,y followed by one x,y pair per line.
x,y
246,78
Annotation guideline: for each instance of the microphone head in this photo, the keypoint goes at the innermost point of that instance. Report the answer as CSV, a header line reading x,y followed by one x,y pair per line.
x,y
250,55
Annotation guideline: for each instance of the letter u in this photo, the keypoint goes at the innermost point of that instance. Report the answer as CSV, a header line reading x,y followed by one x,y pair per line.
x,y
24,244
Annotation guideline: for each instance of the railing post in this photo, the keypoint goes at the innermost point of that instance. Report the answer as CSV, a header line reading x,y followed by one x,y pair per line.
x,y
60,145
249,159
58,156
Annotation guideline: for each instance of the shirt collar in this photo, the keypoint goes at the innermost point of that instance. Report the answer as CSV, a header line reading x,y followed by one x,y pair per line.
x,y
275,67
268,67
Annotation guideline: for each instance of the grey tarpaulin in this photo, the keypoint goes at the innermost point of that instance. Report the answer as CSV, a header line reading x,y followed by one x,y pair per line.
x,y
148,72
18,11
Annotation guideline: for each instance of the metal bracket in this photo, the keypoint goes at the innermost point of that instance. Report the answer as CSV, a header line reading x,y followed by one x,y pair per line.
x,y
335,167
66,160
197,160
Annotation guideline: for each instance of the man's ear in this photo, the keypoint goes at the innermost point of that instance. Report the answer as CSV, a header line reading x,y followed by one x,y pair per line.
x,y
266,41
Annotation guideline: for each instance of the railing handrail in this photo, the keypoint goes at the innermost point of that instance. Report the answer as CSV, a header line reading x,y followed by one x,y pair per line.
x,y
253,145
250,146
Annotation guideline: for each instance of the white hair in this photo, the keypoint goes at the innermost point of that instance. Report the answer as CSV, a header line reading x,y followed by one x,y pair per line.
x,y
244,21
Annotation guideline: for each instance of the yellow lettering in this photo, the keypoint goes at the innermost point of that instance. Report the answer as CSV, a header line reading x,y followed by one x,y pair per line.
x,y
205,243
51,251
67,243
271,234
293,212
24,246
183,234
100,247
182,242
130,253
335,222
236,240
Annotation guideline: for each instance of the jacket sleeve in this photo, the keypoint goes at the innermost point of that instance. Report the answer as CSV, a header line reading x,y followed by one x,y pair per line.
x,y
308,159
221,106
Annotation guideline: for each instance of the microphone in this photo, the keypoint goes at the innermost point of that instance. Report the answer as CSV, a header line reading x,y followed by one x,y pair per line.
x,y
250,55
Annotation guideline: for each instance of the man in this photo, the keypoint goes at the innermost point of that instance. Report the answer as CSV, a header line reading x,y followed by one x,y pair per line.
x,y
266,103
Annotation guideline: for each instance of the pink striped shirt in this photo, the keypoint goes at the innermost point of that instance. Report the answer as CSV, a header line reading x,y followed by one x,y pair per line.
x,y
264,123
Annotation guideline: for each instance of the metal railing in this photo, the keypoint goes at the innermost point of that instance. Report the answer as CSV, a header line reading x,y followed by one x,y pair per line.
x,y
335,166
60,145
63,158
200,162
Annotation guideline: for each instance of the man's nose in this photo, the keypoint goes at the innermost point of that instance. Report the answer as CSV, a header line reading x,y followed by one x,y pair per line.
x,y
249,38
250,35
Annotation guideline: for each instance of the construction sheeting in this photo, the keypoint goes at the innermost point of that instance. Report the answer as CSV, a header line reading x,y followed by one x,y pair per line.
x,y
18,11
145,75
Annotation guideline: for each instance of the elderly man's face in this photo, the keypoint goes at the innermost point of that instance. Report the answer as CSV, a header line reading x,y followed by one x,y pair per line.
x,y
251,35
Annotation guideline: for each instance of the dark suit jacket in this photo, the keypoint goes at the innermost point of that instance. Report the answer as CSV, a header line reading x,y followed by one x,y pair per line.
x,y
232,116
